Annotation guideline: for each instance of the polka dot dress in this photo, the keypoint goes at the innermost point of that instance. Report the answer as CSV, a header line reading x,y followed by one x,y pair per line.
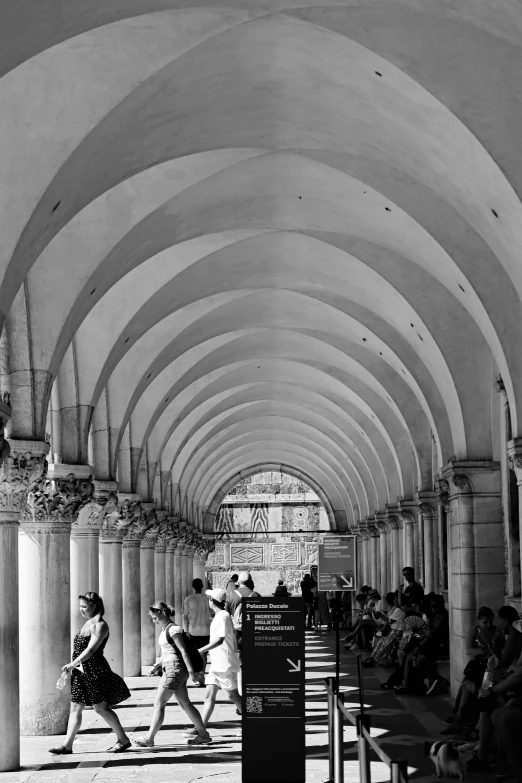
x,y
99,683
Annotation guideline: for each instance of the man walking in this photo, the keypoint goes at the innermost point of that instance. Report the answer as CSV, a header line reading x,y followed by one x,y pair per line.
x,y
196,620
224,658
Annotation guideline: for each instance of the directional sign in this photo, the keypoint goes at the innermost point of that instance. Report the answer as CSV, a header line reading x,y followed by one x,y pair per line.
x,y
337,563
273,677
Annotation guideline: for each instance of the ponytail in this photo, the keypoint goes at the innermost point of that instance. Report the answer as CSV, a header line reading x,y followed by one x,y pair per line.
x,y
159,607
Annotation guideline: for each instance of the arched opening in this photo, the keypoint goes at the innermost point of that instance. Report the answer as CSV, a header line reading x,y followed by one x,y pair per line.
x,y
267,523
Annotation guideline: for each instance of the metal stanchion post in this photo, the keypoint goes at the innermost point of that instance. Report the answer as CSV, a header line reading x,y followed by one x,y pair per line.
x,y
395,772
364,754
329,682
338,740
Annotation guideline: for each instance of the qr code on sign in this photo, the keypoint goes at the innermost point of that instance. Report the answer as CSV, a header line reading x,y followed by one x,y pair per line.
x,y
254,704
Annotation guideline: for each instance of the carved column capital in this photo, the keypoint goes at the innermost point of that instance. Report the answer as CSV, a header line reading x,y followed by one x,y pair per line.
x,y
462,483
427,502
443,492
23,469
53,505
408,510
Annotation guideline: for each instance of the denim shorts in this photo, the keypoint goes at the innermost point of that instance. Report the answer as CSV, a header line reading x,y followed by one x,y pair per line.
x,y
173,677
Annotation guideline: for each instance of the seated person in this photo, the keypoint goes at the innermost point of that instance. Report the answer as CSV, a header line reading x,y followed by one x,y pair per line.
x,y
483,643
422,663
357,614
389,633
414,631
502,683
366,627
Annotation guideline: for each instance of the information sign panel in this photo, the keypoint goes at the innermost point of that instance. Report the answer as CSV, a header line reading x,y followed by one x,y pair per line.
x,y
273,680
336,559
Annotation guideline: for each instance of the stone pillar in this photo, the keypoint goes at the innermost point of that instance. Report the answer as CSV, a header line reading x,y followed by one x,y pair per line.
x,y
199,568
85,544
514,460
384,584
394,539
134,515
111,586
184,574
44,595
374,557
428,519
476,572
22,463
190,569
170,588
85,570
408,509
178,583
147,590
160,588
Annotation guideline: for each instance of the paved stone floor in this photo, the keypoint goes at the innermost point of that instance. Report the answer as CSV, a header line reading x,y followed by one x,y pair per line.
x,y
400,724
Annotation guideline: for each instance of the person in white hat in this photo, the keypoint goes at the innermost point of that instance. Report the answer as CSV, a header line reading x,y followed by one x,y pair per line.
x,y
224,658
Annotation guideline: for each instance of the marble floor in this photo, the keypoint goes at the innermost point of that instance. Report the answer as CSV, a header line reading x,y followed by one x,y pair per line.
x,y
400,724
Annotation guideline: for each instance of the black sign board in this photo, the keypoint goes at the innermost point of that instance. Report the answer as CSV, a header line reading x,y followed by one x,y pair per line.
x,y
273,677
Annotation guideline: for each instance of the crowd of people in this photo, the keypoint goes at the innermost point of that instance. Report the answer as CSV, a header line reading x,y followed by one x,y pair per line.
x,y
211,627
409,631
405,629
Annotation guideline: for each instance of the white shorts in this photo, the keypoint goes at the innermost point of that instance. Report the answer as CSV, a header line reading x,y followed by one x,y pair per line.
x,y
227,681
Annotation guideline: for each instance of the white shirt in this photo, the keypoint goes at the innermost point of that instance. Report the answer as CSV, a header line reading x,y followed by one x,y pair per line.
x,y
396,619
196,608
224,658
167,651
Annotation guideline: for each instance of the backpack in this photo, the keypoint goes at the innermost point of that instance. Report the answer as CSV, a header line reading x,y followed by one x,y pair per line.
x,y
193,653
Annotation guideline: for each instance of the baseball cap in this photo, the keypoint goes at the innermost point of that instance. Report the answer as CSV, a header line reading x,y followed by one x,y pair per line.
x,y
217,594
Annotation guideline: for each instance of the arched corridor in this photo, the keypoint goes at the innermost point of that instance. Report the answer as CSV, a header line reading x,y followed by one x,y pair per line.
x,y
242,238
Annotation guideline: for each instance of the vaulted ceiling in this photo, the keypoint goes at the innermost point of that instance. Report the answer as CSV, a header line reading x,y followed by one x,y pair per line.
x,y
262,233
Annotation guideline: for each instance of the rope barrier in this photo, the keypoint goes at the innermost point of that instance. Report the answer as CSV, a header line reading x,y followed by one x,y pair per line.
x,y
337,714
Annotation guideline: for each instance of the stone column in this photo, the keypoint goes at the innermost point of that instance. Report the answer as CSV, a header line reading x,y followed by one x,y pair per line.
x,y
170,587
111,586
393,519
200,560
44,596
476,572
22,464
131,579
147,590
190,569
184,574
514,460
384,584
428,517
85,570
408,509
160,587
374,557
178,583
85,544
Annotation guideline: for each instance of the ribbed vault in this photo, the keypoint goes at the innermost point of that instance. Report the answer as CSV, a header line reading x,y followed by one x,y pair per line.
x,y
261,234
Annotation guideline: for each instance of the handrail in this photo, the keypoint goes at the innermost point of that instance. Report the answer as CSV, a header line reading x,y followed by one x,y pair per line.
x,y
336,713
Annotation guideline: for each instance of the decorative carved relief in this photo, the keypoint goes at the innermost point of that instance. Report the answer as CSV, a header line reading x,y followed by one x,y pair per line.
x,y
250,554
57,501
113,524
462,482
20,473
311,553
283,554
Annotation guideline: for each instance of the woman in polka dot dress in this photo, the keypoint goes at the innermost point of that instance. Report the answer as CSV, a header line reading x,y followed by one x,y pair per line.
x,y
97,686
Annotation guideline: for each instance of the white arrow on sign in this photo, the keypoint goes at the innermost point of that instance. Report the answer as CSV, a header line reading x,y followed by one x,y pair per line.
x,y
296,667
348,582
